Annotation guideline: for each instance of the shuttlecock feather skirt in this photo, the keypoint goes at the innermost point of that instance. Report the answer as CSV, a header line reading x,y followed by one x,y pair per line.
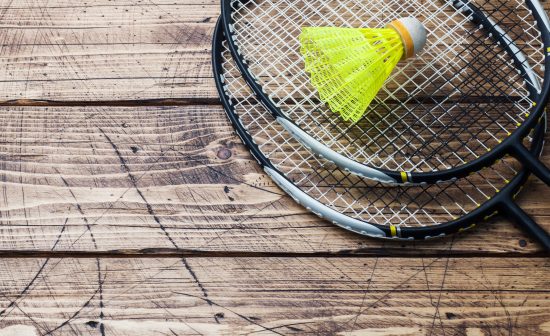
x,y
348,66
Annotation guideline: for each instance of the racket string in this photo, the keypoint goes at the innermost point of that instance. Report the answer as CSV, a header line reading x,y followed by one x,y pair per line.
x,y
346,193
389,143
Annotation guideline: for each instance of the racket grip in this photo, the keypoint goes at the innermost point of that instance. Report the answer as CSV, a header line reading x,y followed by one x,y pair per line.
x,y
532,163
531,227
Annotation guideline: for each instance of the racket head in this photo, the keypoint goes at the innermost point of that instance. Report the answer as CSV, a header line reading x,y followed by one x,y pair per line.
x,y
439,117
360,205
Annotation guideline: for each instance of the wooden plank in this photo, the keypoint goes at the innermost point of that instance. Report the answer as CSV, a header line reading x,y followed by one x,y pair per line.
x,y
131,50
159,179
238,296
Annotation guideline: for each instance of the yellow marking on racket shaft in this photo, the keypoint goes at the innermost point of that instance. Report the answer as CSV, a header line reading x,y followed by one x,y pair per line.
x,y
466,228
393,231
486,218
404,177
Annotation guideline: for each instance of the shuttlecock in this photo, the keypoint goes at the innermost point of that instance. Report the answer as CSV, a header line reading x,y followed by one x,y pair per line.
x,y
348,66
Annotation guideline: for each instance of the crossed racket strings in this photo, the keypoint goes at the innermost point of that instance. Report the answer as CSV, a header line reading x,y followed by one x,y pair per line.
x,y
423,119
359,198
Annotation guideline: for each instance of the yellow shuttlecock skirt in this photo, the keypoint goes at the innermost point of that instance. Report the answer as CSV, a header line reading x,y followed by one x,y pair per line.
x,y
348,66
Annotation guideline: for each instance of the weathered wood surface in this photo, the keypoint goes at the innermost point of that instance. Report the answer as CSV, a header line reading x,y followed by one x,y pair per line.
x,y
119,178
242,296
106,50
129,207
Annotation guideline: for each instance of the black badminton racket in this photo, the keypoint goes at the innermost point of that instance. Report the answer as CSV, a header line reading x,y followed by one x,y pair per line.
x,y
478,88
362,205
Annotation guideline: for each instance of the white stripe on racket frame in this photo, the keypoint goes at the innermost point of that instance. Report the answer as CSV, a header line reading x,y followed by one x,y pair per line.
x,y
323,211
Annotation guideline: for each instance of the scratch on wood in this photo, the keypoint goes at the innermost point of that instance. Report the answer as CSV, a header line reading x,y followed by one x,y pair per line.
x,y
79,208
210,302
151,211
101,304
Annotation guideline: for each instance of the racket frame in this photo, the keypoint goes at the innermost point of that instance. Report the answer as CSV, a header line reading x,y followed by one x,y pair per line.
x,y
510,145
502,202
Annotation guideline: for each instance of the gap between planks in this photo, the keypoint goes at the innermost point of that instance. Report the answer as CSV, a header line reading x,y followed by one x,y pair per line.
x,y
182,253
118,103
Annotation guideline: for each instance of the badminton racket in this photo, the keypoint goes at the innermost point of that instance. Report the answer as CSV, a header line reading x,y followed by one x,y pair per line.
x,y
468,99
362,205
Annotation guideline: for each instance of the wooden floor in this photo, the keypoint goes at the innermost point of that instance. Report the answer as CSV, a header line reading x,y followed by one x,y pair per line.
x,y
129,207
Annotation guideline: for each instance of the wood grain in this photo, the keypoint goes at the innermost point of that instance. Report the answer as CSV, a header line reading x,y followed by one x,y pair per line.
x,y
175,178
131,50
240,296
128,206
104,51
